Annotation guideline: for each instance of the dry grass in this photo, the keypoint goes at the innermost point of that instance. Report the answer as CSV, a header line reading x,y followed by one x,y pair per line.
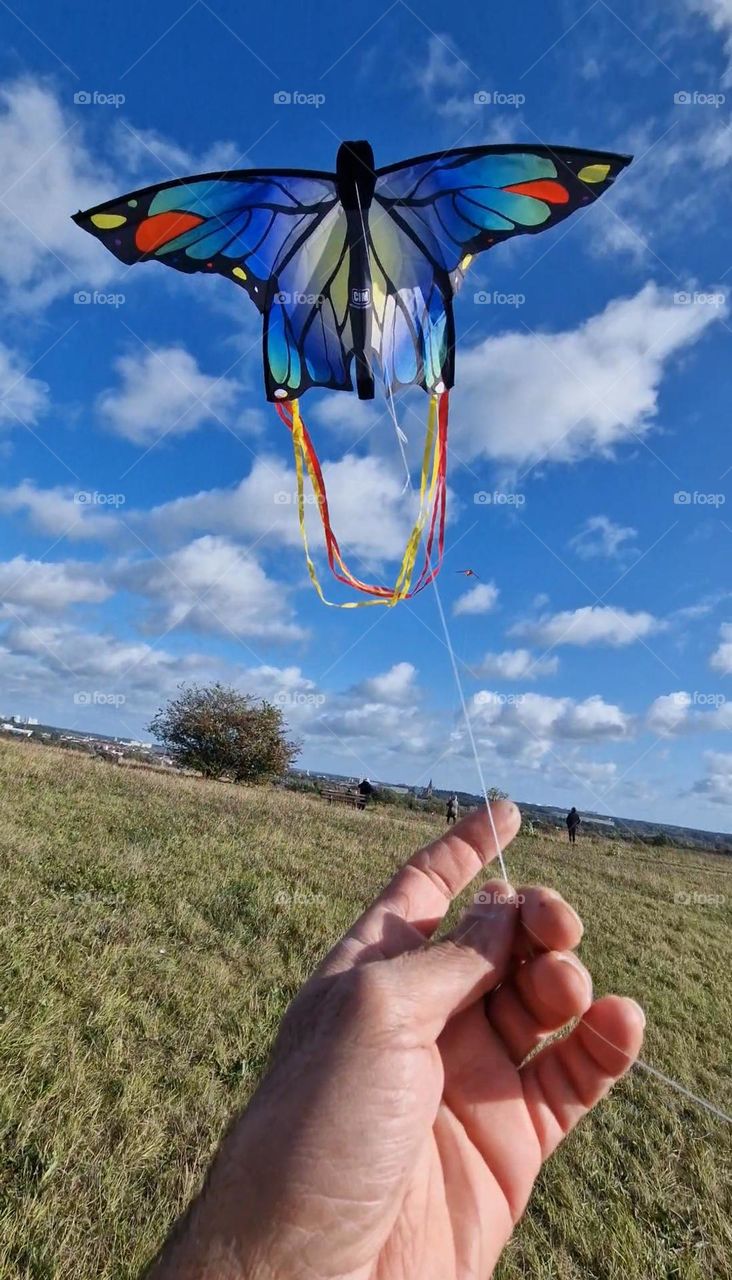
x,y
153,930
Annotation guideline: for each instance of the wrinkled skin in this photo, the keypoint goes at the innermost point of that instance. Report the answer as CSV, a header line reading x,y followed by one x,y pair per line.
x,y
399,1130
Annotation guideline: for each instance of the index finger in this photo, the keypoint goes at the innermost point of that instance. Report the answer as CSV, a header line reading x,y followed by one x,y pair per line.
x,y
414,902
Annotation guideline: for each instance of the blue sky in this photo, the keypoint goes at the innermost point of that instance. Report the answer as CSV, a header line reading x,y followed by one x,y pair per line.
x,y
146,505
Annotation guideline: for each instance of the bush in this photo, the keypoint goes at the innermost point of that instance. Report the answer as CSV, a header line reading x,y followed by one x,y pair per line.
x,y
225,734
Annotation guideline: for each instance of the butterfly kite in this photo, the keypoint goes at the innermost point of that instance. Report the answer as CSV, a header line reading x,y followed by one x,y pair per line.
x,y
354,274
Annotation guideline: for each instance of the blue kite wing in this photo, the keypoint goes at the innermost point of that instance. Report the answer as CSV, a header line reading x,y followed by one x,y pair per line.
x,y
432,215
279,236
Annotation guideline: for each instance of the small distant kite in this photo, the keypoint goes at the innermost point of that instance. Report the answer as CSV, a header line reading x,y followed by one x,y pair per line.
x,y
355,271
468,573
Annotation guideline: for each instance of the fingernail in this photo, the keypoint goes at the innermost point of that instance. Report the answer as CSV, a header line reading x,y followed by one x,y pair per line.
x,y
641,1012
577,965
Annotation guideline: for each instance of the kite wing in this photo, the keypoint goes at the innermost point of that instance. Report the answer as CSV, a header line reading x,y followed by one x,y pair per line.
x,y
279,236
430,216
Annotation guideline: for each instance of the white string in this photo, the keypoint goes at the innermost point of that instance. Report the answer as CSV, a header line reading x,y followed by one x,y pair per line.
x,y
639,1062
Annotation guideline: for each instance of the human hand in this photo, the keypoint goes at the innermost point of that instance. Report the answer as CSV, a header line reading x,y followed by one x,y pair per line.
x,y
399,1129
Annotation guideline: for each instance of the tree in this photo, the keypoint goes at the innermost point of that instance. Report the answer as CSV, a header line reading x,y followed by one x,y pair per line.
x,y
495,793
224,733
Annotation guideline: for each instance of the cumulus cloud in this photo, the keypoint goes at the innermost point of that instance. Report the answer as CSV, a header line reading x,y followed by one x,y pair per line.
x,y
672,714
576,393
211,585
395,686
60,511
52,586
716,785
515,664
721,659
479,599
163,392
525,727
591,624
602,537
22,398
370,514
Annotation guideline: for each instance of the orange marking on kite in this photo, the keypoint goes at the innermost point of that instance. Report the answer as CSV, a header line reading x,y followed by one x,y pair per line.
x,y
162,227
541,189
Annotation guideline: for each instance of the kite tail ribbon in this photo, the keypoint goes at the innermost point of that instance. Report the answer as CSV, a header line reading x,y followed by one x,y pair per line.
x,y
430,515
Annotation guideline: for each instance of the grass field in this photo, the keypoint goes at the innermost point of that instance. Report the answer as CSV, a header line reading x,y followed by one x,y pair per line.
x,y
154,928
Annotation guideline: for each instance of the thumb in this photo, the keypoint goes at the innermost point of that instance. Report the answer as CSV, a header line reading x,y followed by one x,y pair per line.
x,y
441,980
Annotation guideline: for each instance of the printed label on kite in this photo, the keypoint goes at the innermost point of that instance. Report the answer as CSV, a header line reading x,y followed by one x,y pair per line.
x,y
360,297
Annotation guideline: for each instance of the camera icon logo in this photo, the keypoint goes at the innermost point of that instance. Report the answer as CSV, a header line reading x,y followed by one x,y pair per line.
x,y
82,98
82,298
481,98
682,98
482,499
682,497
482,298
282,98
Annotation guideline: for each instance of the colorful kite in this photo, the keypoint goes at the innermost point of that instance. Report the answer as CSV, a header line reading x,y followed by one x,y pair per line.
x,y
355,271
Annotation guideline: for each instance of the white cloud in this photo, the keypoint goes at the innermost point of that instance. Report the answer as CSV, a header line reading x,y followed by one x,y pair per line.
x,y
515,664
395,686
211,585
22,398
719,14
576,393
717,784
667,714
721,659
682,712
52,586
60,512
591,624
371,516
163,392
479,599
600,536
526,727
51,168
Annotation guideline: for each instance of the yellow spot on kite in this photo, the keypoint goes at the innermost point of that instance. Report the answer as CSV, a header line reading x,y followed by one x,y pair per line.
x,y
594,173
240,273
466,262
108,221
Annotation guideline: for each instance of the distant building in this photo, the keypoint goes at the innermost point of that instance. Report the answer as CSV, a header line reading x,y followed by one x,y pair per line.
x,y
24,719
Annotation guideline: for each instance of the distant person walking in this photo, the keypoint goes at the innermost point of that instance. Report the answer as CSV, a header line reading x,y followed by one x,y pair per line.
x,y
453,809
573,822
365,791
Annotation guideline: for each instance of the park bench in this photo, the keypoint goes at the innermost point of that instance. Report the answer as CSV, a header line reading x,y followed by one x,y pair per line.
x,y
334,795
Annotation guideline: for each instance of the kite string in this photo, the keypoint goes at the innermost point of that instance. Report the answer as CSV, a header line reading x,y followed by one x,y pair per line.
x,y
639,1062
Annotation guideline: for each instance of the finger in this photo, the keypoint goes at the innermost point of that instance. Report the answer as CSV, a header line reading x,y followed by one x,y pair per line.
x,y
548,923
417,898
441,980
542,995
563,1082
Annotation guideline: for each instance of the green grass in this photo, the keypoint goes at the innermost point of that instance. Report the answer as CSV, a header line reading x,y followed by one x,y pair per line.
x,y
152,931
